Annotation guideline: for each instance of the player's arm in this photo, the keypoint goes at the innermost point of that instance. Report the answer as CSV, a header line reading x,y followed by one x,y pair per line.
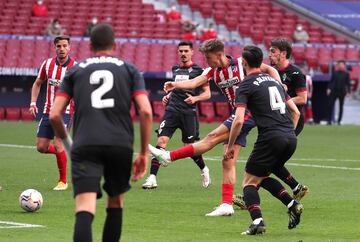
x,y
301,91
35,90
235,131
145,113
204,95
271,71
60,103
301,98
189,84
294,111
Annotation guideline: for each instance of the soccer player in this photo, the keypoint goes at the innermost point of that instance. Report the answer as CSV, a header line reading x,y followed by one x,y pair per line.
x,y
180,113
276,117
52,71
103,87
227,73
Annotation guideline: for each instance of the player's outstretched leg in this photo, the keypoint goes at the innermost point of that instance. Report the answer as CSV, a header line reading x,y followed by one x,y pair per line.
x,y
295,212
162,156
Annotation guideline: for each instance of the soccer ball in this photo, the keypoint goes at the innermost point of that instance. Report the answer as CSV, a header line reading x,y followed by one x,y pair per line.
x,y
31,200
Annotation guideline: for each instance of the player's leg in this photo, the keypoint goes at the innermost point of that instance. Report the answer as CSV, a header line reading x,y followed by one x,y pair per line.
x,y
341,108
86,173
117,171
190,133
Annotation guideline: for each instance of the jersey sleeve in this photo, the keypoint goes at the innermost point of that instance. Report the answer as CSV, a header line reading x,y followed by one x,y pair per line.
x,y
242,94
138,86
208,72
299,81
42,72
66,87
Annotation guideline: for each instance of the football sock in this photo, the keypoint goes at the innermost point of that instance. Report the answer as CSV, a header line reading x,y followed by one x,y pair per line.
x,y
155,165
276,189
227,193
183,152
82,230
61,163
286,177
252,201
112,226
199,161
51,149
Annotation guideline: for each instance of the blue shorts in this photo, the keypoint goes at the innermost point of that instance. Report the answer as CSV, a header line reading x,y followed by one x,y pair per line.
x,y
45,129
249,123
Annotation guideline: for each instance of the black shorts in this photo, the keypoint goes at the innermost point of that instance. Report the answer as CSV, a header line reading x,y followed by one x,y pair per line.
x,y
187,123
270,154
90,163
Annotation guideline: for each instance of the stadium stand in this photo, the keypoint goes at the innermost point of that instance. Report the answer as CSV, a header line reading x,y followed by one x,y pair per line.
x,y
207,112
12,113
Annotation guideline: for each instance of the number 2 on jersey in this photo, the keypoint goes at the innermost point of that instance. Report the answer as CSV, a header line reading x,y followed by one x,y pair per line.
x,y
276,101
108,82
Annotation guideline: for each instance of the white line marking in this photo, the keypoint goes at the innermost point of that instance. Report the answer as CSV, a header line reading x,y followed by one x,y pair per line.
x,y
219,158
14,225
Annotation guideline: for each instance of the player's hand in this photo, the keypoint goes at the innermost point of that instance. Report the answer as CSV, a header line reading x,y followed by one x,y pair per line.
x,y
190,99
229,153
139,167
165,100
169,86
33,109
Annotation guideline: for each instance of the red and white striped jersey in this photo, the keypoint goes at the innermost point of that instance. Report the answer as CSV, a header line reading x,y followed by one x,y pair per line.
x,y
227,78
53,73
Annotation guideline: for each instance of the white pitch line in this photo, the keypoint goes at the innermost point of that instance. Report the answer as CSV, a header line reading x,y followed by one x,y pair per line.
x,y
14,225
17,146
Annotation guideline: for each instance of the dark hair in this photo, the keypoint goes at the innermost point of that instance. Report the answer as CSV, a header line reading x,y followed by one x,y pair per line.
x,y
102,37
282,44
185,43
61,37
212,45
253,56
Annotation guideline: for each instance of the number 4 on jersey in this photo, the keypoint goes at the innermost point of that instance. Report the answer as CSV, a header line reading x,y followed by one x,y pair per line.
x,y
276,101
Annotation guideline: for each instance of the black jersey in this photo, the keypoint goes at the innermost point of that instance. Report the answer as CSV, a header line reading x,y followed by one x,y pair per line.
x,y
294,79
102,88
177,96
266,100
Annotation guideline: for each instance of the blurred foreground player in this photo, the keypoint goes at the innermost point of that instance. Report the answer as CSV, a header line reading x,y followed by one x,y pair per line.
x,y
103,87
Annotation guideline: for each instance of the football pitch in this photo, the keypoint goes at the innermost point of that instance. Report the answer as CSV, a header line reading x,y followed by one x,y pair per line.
x,y
327,160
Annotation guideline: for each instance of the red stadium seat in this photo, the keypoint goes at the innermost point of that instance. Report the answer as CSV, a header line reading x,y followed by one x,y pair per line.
x,y
158,110
12,113
222,110
207,112
25,115
2,113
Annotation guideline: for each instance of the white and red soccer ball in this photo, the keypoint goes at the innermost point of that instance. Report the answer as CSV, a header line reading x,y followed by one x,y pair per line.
x,y
31,200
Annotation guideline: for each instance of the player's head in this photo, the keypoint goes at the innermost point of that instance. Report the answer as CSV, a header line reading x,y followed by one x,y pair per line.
x,y
213,50
62,46
280,50
252,57
102,38
341,65
185,51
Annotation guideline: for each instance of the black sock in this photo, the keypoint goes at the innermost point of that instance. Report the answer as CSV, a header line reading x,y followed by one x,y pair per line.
x,y
112,226
155,165
252,201
286,177
82,230
276,189
199,161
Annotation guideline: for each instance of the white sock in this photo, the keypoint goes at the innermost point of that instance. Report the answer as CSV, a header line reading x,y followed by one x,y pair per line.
x,y
257,221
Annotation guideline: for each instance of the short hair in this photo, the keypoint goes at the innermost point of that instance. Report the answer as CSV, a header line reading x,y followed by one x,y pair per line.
x,y
253,56
102,37
185,43
61,37
282,44
212,45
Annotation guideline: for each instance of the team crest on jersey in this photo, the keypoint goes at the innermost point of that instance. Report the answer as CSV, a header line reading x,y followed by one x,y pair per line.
x,y
229,82
234,68
284,77
54,82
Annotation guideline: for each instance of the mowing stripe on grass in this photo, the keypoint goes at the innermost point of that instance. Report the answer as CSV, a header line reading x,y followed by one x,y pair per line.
x,y
14,225
219,158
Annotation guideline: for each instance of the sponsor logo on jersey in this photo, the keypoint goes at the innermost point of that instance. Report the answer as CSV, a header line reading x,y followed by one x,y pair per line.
x,y
180,78
229,82
54,82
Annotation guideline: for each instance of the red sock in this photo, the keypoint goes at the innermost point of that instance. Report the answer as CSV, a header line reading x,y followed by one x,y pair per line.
x,y
183,152
61,163
51,149
227,193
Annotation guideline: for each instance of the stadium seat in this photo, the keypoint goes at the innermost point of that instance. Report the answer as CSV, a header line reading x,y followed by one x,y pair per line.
x,y
12,113
158,110
25,115
207,112
222,110
2,113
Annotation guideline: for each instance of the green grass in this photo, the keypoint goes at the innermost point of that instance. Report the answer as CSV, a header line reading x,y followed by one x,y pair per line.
x,y
175,211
